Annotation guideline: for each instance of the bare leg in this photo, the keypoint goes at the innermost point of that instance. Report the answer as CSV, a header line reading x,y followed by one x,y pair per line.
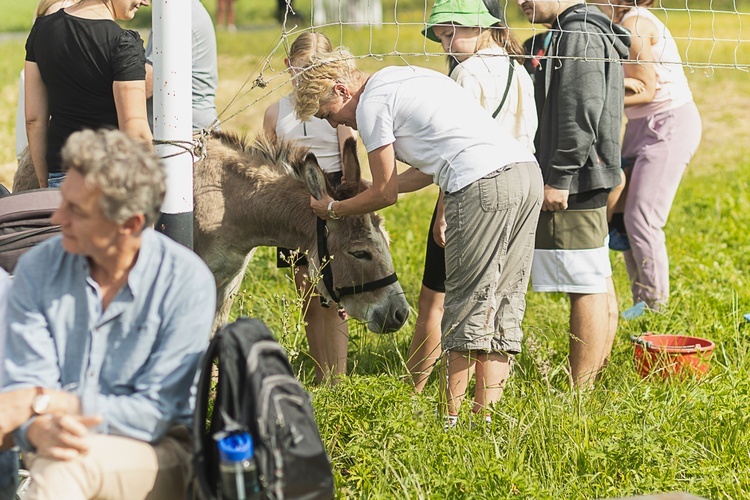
x,y
613,318
315,328
336,340
230,15
493,370
221,13
459,363
616,198
589,327
425,346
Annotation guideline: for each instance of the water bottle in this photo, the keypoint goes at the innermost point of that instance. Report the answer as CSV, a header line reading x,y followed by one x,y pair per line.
x,y
237,468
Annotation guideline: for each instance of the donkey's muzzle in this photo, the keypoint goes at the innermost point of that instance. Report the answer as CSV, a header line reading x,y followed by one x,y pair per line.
x,y
390,319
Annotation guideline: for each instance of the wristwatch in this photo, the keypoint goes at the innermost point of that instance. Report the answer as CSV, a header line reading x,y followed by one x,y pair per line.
x,y
331,214
40,403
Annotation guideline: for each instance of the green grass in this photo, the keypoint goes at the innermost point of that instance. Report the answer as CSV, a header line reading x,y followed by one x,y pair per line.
x,y
628,436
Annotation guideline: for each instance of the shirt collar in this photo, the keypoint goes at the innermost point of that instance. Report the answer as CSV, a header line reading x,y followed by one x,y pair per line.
x,y
140,269
142,263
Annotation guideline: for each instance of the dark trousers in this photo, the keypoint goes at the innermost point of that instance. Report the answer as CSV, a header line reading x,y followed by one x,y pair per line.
x,y
8,474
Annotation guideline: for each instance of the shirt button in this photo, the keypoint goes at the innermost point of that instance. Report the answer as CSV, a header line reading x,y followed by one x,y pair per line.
x,y
91,373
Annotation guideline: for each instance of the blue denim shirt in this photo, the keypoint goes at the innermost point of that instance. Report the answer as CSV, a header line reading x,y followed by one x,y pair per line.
x,y
136,362
4,286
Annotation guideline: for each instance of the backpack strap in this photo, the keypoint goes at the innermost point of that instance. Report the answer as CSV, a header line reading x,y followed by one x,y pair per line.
x,y
200,438
511,70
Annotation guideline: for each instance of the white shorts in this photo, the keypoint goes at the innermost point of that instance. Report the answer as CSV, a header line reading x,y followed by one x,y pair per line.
x,y
572,252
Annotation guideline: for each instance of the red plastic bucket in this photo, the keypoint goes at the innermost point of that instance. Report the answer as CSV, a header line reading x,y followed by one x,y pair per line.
x,y
671,355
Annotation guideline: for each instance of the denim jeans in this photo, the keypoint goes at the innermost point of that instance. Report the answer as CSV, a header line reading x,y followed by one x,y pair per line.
x,y
54,179
8,474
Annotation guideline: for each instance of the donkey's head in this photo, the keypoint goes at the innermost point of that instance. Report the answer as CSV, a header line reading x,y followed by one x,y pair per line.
x,y
360,273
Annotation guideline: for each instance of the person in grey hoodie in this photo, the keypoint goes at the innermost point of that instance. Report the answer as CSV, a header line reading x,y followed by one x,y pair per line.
x,y
579,96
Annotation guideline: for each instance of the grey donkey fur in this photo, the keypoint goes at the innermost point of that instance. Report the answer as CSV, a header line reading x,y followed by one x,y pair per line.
x,y
248,195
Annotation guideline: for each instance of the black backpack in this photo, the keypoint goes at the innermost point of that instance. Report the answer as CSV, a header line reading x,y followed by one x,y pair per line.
x,y
257,393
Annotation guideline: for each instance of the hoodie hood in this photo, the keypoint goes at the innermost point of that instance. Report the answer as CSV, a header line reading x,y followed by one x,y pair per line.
x,y
618,37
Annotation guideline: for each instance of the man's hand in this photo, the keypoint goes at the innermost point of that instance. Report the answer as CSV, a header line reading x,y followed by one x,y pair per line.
x,y
555,199
61,437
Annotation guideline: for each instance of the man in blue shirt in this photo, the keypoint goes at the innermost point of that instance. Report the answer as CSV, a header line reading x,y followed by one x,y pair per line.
x,y
120,313
8,459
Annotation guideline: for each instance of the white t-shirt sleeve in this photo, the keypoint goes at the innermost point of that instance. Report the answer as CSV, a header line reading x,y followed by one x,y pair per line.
x,y
375,125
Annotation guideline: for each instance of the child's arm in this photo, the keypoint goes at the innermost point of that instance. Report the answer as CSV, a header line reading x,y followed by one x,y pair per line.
x,y
634,86
270,118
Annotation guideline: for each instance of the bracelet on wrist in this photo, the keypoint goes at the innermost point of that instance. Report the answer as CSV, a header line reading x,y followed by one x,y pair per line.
x,y
331,214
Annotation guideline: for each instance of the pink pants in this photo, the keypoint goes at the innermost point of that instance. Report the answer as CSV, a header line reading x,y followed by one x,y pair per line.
x,y
661,145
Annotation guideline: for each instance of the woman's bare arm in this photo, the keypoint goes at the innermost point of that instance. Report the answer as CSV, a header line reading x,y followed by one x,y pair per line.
x,y
36,109
641,65
270,119
382,193
412,179
130,101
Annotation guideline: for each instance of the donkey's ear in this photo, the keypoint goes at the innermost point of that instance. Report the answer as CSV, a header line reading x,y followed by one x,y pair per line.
x,y
350,162
316,181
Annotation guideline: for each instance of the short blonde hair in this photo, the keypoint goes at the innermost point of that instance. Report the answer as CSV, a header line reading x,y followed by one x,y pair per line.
x,y
313,87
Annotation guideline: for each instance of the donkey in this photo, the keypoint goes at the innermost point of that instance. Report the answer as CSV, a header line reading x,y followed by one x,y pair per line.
x,y
248,195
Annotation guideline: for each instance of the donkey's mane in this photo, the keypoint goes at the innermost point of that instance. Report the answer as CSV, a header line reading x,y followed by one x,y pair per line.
x,y
285,158
280,156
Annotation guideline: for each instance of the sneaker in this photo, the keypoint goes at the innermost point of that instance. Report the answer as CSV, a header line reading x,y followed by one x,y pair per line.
x,y
618,241
480,422
636,311
450,422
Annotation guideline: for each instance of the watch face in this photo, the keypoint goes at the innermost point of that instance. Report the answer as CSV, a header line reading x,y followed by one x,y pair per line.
x,y
40,404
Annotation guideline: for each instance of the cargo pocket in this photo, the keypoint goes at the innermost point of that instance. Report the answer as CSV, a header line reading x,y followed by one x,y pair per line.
x,y
497,191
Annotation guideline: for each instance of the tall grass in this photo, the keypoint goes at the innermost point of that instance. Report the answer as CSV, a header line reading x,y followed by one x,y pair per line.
x,y
628,436
625,437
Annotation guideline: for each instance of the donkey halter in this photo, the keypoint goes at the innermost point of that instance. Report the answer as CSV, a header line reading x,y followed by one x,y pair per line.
x,y
336,293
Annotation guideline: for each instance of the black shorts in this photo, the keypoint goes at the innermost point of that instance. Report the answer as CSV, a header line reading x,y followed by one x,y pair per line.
x,y
284,257
434,261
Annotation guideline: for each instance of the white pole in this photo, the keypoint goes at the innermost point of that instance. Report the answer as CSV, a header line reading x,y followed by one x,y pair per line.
x,y
173,116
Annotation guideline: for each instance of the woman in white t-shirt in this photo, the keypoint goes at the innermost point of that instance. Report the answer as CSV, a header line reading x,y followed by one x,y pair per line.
x,y
327,333
480,50
429,122
662,134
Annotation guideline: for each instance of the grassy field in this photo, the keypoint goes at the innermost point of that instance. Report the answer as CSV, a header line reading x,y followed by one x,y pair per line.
x,y
628,436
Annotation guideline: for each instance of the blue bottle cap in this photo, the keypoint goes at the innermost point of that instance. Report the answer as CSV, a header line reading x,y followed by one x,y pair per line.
x,y
236,447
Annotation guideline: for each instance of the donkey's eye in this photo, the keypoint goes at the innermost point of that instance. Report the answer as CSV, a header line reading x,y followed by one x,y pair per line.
x,y
361,254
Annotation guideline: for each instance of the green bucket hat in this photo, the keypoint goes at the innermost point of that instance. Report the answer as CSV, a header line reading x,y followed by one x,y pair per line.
x,y
463,12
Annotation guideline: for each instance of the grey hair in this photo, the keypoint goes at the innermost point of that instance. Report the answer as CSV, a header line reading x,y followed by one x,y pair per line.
x,y
129,176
